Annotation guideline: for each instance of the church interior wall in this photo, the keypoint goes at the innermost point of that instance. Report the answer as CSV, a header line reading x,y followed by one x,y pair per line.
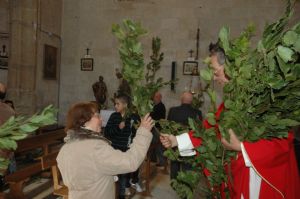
x,y
87,24
31,25
4,30
72,26
47,90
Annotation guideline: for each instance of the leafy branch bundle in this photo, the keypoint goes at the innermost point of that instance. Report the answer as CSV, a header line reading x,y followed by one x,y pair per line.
x,y
187,181
156,58
131,55
262,98
171,127
17,128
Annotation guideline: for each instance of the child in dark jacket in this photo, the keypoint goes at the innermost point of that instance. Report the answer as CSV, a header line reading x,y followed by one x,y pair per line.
x,y
120,130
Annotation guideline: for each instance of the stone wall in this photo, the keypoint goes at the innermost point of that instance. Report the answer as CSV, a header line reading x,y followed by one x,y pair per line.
x,y
4,30
87,24
33,23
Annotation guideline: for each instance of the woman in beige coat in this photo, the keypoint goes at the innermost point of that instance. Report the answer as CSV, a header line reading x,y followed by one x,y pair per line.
x,y
88,163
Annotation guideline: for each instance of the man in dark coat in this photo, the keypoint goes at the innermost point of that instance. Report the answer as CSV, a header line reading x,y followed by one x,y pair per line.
x,y
181,114
159,112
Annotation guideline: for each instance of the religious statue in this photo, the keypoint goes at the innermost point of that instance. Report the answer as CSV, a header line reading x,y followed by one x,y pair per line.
x,y
124,87
100,91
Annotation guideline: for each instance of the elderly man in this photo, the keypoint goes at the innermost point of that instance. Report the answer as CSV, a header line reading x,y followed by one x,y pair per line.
x,y
159,112
181,114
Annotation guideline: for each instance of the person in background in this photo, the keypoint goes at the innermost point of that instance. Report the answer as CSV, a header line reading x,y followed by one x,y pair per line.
x,y
262,169
5,110
120,130
159,112
181,114
5,113
88,162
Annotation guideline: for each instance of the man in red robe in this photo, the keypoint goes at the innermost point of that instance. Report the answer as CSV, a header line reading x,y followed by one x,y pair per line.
x,y
265,169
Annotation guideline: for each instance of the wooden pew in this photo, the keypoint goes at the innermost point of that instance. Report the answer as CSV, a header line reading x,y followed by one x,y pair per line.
x,y
43,141
16,180
148,171
49,161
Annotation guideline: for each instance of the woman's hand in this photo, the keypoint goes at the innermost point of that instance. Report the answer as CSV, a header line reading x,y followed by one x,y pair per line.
x,y
168,140
122,125
147,122
234,144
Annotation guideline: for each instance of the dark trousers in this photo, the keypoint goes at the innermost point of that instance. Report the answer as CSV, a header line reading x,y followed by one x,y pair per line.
x,y
134,176
178,166
123,183
158,152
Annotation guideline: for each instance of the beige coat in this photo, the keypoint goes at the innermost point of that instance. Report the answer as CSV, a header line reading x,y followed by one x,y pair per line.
x,y
88,165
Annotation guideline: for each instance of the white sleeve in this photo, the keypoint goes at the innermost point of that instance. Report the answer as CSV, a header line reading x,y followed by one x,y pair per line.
x,y
185,145
255,179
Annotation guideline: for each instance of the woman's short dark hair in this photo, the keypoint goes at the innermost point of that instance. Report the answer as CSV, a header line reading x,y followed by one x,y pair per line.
x,y
79,114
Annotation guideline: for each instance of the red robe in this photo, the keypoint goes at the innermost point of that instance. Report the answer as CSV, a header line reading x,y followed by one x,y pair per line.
x,y
274,161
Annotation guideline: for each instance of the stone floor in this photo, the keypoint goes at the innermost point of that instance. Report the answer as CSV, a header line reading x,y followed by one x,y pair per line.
x,y
159,188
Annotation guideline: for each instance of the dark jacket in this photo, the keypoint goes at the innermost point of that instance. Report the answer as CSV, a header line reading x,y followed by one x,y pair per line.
x,y
159,111
182,113
120,138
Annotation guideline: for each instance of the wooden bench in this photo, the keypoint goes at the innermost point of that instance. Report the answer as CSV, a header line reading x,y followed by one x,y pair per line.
x,y
16,180
147,173
49,161
43,141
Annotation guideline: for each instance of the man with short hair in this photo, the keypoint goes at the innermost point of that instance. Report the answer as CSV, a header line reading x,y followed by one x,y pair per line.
x,y
181,114
159,112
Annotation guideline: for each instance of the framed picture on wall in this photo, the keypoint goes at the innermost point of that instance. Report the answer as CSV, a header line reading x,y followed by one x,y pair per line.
x,y
190,67
87,64
50,62
3,62
4,43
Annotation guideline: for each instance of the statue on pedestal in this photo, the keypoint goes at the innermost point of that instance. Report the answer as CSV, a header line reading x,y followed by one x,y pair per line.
x,y
100,91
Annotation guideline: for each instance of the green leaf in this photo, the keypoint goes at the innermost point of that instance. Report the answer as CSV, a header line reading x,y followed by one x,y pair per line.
x,y
277,83
18,136
206,74
211,145
290,38
297,44
211,118
28,128
224,38
245,71
285,53
212,94
288,122
228,104
6,143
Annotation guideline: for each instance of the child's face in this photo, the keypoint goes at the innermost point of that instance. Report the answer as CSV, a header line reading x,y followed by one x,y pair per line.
x,y
120,105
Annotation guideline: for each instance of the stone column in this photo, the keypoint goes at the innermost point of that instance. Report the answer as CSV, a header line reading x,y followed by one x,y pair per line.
x,y
24,16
